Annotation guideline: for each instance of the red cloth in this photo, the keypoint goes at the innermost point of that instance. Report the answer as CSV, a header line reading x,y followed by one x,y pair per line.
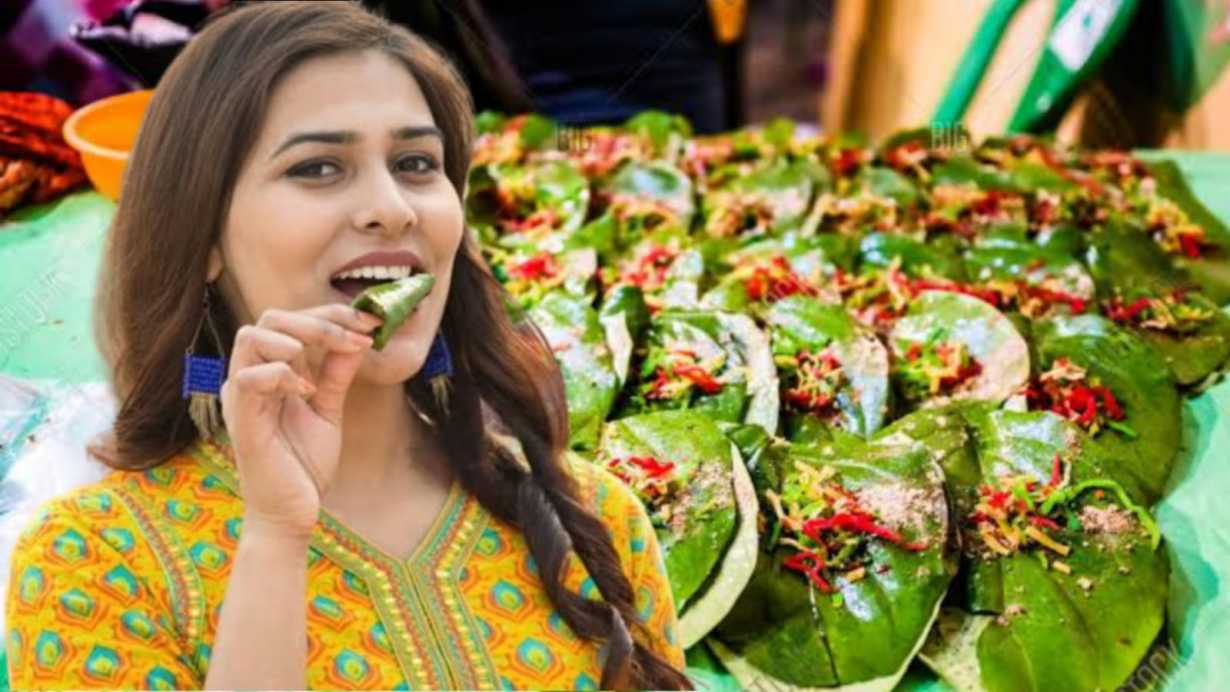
x,y
36,165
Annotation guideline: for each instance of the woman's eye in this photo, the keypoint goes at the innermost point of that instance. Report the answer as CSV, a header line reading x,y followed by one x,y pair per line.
x,y
314,169
415,163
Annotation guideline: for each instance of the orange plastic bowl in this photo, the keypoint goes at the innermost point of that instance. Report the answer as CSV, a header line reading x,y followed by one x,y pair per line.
x,y
104,132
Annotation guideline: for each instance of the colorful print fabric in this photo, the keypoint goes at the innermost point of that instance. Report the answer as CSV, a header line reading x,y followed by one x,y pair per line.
x,y
120,584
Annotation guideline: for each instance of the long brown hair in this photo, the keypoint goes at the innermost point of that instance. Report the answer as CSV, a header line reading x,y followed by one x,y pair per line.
x,y
199,128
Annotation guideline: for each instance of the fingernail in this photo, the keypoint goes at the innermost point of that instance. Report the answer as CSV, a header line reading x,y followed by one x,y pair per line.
x,y
369,319
306,388
359,340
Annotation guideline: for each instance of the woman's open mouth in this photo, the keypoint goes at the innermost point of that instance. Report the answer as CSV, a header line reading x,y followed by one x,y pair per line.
x,y
355,281
375,268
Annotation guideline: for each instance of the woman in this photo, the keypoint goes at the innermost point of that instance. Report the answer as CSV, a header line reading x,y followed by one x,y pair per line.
x,y
347,528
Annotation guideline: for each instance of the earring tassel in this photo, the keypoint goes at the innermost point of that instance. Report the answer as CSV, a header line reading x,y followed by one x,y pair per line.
x,y
203,378
206,414
439,371
440,387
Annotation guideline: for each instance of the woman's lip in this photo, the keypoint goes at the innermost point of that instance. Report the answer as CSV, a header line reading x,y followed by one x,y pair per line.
x,y
385,258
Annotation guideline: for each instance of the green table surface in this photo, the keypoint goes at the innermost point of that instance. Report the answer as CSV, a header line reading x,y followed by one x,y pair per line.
x,y
49,259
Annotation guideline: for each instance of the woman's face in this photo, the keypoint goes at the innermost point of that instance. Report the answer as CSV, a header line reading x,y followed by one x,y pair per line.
x,y
348,162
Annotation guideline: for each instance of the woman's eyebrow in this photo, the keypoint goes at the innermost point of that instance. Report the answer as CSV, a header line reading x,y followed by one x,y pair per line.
x,y
349,136
414,132
327,137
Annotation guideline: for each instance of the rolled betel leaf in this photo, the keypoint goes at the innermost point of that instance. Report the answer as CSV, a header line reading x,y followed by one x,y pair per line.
x,y
393,302
648,196
714,362
528,276
665,269
503,139
591,378
755,281
952,346
853,565
667,132
517,205
767,201
696,490
833,371
1065,587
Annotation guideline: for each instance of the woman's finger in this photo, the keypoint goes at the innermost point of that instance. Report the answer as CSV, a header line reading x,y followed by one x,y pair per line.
x,y
322,327
326,326
345,315
260,345
268,379
250,393
314,328
336,374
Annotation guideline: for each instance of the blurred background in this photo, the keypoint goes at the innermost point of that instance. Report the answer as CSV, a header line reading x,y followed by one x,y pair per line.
x,y
1123,74
1126,73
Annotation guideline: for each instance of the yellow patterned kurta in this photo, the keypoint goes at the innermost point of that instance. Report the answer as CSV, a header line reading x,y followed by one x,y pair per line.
x,y
120,584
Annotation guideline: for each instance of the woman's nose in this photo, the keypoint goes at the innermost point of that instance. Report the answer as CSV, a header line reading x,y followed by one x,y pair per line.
x,y
386,207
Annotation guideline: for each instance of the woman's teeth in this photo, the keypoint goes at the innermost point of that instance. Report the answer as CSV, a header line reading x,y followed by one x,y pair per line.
x,y
390,273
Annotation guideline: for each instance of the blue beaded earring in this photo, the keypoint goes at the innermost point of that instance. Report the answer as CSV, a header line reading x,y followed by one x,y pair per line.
x,y
438,370
203,376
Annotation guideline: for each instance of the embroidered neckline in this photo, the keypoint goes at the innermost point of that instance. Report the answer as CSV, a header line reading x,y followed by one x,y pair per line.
x,y
436,639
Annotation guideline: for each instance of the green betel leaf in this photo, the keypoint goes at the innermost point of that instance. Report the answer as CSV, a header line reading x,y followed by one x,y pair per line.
x,y
1145,440
951,347
885,182
713,362
940,257
667,132
962,169
753,343
1076,609
1211,270
762,273
779,132
772,199
1128,267
920,136
850,391
682,467
599,235
591,382
517,205
530,276
1009,256
538,132
785,631
710,605
653,183
1121,258
624,317
1028,175
393,302
488,122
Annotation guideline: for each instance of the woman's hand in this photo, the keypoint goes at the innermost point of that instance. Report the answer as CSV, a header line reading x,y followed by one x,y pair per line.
x,y
284,418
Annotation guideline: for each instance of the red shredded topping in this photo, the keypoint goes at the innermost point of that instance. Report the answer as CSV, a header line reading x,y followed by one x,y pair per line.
x,y
1066,392
1119,312
540,266
776,280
